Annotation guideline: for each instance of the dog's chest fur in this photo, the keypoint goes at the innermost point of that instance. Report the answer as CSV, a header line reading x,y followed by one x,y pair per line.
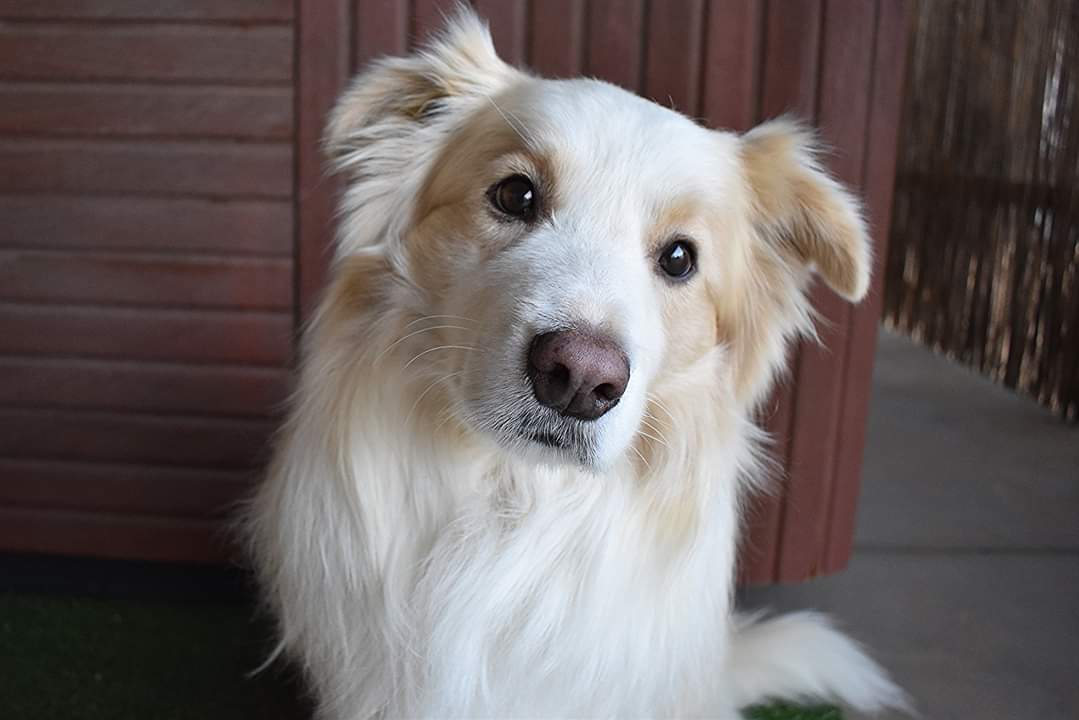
x,y
540,597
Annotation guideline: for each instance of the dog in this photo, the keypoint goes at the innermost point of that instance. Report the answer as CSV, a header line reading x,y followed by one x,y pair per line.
x,y
511,478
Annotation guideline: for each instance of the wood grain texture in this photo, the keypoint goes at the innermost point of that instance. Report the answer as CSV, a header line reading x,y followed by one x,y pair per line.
x,y
429,16
135,489
673,64
191,442
557,43
141,387
71,52
883,124
381,28
146,168
114,536
789,73
156,281
106,110
147,267
842,101
792,50
508,21
615,44
160,225
733,44
324,62
182,336
158,10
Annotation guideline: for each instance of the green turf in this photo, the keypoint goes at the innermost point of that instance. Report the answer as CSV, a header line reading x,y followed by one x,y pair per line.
x,y
84,658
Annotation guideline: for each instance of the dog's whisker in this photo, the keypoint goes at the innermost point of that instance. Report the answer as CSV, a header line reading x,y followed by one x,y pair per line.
x,y
647,418
659,403
645,461
653,437
439,317
436,348
516,129
414,333
429,388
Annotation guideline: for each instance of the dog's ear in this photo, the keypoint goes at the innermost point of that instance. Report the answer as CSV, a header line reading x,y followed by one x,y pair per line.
x,y
810,217
398,97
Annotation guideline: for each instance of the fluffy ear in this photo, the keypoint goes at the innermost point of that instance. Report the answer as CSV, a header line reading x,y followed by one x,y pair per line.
x,y
398,97
796,204
389,127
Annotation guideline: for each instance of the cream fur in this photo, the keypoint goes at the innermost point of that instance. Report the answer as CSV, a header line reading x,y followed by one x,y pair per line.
x,y
422,559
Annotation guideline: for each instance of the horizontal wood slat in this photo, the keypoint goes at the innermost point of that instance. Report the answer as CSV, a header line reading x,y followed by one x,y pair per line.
x,y
202,169
121,488
117,536
202,10
253,113
146,52
102,385
146,280
180,225
138,439
140,334
147,245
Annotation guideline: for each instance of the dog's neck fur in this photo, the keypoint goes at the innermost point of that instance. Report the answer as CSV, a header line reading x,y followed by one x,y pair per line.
x,y
484,557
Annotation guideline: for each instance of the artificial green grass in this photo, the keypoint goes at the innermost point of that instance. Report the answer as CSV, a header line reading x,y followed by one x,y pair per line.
x,y
91,658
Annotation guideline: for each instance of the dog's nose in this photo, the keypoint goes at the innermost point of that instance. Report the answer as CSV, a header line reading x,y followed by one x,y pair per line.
x,y
577,373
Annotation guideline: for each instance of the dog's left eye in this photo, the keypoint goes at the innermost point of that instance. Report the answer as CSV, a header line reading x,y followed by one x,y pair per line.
x,y
678,260
515,196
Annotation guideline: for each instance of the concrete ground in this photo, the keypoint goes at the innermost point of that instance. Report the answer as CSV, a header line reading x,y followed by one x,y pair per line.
x,y
965,576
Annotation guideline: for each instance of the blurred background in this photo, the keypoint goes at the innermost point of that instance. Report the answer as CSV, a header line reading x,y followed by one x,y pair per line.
x,y
164,224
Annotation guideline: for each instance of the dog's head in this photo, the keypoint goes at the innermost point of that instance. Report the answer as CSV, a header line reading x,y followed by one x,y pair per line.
x,y
577,261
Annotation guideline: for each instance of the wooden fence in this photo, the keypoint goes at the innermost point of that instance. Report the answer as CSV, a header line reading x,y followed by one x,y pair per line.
x,y
983,262
166,215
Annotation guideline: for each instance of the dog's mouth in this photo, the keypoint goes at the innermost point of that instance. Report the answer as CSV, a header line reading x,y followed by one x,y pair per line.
x,y
567,440
547,438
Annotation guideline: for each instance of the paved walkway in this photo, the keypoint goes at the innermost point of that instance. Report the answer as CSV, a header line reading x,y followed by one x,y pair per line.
x,y
965,578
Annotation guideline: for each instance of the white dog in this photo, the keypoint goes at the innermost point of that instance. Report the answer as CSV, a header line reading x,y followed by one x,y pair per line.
x,y
511,479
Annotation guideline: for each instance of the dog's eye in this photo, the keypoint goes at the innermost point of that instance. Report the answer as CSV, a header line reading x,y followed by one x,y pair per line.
x,y
678,260
515,196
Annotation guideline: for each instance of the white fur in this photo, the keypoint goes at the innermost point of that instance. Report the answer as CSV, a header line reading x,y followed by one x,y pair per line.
x,y
423,560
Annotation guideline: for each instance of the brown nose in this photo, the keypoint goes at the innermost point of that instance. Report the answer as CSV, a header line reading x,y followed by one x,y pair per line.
x,y
577,373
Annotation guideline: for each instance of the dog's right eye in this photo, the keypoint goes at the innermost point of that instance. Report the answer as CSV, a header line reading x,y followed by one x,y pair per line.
x,y
515,196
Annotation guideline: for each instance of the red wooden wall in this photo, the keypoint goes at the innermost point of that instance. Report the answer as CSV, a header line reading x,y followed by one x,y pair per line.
x,y
165,218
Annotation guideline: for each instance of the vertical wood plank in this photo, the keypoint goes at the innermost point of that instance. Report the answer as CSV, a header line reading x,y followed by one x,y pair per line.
x,y
792,48
730,92
843,99
429,17
323,54
788,84
615,51
893,18
508,20
558,37
381,28
673,62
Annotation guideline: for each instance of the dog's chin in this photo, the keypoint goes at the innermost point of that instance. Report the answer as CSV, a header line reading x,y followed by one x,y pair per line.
x,y
543,438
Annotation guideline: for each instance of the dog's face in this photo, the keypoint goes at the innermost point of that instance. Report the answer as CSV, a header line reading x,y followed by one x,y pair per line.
x,y
585,255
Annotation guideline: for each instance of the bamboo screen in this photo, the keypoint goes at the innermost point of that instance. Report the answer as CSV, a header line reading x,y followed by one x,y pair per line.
x,y
983,262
